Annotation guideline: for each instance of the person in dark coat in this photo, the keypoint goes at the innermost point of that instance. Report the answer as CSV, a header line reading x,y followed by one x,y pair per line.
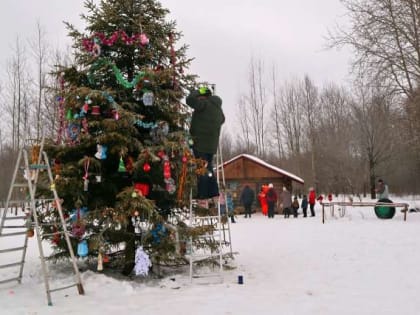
x,y
246,199
304,205
295,207
271,197
206,122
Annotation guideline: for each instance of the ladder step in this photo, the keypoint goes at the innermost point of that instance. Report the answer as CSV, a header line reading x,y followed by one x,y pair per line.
x,y
38,166
51,234
11,265
20,185
19,202
11,249
63,288
10,280
12,234
16,217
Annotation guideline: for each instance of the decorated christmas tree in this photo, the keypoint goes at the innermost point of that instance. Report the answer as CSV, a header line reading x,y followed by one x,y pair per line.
x,y
122,158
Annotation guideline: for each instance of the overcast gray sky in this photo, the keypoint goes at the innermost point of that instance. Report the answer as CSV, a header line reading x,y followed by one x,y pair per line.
x,y
222,35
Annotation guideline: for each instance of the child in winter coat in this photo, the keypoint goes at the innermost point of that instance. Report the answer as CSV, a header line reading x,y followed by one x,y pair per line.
x,y
304,206
295,207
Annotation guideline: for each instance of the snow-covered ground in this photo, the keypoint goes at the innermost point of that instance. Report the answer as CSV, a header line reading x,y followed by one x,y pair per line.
x,y
357,264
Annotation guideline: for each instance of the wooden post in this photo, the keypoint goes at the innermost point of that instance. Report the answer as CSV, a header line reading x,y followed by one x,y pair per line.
x,y
405,212
323,214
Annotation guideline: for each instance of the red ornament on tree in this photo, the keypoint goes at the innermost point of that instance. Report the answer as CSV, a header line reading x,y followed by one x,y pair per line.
x,y
166,169
146,167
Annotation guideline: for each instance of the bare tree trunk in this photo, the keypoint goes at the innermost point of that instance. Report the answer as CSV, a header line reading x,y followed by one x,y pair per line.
x,y
310,110
39,51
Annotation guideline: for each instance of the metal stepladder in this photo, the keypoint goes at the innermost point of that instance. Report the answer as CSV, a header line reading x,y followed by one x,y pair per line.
x,y
220,237
25,223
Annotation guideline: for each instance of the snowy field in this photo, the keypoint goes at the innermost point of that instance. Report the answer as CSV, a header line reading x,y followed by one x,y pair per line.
x,y
357,264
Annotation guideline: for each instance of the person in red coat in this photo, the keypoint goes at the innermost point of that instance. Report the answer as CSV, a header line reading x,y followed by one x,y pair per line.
x,y
262,199
311,201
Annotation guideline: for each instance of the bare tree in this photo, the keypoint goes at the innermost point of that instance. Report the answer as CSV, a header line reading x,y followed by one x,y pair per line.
x,y
243,114
385,37
39,51
372,114
336,160
252,109
16,94
287,115
310,109
277,130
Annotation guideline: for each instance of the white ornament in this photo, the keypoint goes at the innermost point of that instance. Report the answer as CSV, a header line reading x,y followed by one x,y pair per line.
x,y
143,262
148,98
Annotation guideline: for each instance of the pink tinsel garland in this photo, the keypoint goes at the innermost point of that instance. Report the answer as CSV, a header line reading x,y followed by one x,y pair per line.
x,y
139,38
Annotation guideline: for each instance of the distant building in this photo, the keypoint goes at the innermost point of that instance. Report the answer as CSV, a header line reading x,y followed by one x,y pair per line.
x,y
248,169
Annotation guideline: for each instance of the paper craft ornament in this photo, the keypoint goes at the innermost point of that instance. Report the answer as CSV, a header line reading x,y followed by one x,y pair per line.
x,y
121,166
170,185
143,262
101,152
73,131
148,98
96,110
82,248
69,114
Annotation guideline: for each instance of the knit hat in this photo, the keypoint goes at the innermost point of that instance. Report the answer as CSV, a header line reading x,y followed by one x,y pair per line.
x,y
270,185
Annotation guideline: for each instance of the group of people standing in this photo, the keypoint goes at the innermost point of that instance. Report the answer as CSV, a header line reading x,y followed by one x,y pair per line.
x,y
268,199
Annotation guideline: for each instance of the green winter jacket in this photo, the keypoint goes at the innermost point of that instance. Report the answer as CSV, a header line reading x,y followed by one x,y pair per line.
x,y
207,120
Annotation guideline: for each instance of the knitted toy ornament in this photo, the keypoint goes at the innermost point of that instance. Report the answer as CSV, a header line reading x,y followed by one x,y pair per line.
x,y
143,262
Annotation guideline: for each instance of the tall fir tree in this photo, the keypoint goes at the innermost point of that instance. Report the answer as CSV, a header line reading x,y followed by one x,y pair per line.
x,y
122,157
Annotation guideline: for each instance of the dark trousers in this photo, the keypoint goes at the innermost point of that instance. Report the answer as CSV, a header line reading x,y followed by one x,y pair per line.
x,y
248,210
295,213
271,209
286,212
207,183
312,207
305,212
130,247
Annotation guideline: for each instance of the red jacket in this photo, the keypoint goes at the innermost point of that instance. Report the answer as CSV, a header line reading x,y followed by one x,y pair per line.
x,y
312,197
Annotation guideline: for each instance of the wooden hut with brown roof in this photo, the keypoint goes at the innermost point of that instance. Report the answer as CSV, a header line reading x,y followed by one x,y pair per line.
x,y
246,169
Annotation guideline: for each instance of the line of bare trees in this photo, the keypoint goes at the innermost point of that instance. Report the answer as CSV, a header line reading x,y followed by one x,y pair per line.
x,y
27,99
339,139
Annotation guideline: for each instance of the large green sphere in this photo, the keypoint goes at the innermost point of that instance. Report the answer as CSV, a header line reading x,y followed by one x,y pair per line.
x,y
385,212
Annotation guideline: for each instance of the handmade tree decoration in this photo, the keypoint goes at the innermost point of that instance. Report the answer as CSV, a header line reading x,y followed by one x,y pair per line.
x,y
148,98
121,166
101,152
